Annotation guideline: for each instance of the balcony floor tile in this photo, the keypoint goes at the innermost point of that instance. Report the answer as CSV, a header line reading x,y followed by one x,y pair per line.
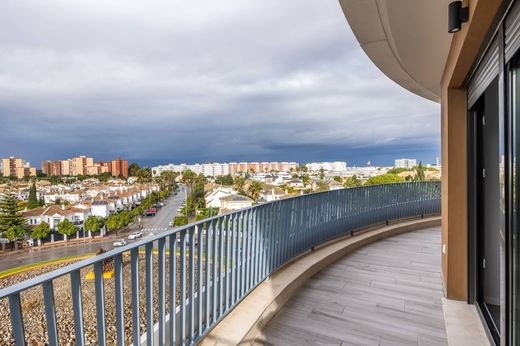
x,y
387,293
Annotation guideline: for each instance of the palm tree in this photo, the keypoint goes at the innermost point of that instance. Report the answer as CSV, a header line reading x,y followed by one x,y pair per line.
x,y
254,190
239,183
144,175
305,180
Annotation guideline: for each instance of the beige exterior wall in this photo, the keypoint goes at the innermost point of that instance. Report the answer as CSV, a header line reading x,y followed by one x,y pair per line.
x,y
65,167
464,49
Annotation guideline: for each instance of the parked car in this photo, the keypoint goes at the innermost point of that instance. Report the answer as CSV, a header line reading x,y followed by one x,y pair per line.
x,y
135,235
150,212
120,242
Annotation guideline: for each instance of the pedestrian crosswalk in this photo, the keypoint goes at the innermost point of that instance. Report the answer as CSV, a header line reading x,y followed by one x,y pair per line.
x,y
156,229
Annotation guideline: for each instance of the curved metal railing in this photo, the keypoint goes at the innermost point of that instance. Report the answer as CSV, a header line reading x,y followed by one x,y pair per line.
x,y
207,267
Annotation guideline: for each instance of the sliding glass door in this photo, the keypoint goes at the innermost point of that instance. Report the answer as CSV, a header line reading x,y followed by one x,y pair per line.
x,y
490,206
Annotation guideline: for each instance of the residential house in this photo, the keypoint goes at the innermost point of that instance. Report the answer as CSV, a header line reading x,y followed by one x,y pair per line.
x,y
213,197
235,202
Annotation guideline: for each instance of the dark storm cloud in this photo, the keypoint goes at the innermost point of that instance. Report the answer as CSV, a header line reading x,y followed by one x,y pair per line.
x,y
197,81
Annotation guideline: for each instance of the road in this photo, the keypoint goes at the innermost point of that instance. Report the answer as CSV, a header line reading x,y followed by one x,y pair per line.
x,y
154,224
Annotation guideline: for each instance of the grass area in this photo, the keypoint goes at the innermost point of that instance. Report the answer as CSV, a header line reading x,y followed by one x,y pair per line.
x,y
37,265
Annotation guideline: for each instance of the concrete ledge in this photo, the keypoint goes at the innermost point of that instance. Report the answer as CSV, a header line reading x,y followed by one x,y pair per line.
x,y
463,325
243,324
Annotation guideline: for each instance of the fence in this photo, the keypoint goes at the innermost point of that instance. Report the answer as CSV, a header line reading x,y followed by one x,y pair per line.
x,y
207,267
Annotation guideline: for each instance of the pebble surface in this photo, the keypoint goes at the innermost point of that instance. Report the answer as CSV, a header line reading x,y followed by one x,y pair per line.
x,y
33,305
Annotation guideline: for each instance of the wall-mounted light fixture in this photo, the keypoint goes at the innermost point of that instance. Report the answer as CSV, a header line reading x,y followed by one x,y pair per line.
x,y
456,16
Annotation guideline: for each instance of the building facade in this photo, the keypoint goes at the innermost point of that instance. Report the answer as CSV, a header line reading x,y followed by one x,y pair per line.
x,y
337,166
405,163
17,167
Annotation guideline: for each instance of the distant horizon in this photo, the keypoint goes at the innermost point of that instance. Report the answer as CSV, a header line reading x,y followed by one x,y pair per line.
x,y
152,162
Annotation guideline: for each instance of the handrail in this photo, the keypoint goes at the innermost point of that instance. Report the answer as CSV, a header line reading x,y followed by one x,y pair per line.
x,y
223,258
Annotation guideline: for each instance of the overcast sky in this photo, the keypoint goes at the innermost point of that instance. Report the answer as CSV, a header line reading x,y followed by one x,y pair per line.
x,y
194,81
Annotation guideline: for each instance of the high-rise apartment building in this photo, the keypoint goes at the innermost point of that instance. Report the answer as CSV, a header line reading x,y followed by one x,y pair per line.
x,y
80,164
17,167
84,165
336,166
405,163
119,167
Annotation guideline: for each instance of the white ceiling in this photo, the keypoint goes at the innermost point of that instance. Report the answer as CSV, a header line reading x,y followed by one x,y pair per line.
x,y
406,39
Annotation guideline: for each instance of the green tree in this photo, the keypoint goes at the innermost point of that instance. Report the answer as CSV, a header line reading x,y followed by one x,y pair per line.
x,y
133,169
338,179
14,233
239,183
398,170
322,174
224,180
92,225
384,179
352,181
254,190
322,186
10,213
188,178
180,221
33,198
144,175
124,219
419,172
66,228
41,231
113,222
305,180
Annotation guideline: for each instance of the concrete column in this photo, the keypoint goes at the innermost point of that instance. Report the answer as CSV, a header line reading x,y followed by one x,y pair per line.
x,y
454,193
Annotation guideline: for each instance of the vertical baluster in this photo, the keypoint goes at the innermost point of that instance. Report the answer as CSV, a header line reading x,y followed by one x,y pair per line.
x,y
260,234
173,288
191,294
214,264
221,266
182,315
15,307
208,273
200,329
149,292
243,257
100,303
118,282
254,253
77,307
234,259
272,238
50,312
162,294
136,324
227,288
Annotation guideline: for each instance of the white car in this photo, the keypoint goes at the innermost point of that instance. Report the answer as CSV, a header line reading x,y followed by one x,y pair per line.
x,y
135,235
120,242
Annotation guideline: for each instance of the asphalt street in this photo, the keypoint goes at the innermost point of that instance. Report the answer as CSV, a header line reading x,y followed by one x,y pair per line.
x,y
151,225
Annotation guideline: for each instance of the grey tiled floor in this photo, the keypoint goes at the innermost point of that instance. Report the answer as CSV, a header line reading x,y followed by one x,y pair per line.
x,y
387,293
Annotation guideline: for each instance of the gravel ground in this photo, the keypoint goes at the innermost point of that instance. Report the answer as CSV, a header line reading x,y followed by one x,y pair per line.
x,y
34,318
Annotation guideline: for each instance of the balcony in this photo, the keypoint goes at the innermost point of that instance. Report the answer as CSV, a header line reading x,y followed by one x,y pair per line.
x,y
389,292
219,265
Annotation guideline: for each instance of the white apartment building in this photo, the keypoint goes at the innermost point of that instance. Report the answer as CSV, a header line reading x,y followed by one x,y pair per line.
x,y
405,163
336,166
207,169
